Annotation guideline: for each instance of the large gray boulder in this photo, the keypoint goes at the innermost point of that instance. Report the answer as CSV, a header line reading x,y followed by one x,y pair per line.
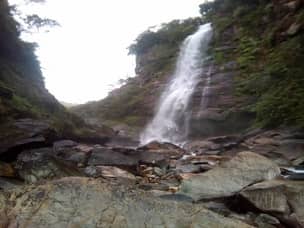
x,y
23,133
154,154
230,177
40,164
84,202
281,198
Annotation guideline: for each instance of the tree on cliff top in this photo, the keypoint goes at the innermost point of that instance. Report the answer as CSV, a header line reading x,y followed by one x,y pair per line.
x,y
169,33
31,22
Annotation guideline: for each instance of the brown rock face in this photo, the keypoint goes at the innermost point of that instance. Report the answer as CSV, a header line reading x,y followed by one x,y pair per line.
x,y
230,177
216,110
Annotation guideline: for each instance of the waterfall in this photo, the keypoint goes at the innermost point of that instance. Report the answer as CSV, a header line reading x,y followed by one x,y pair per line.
x,y
170,123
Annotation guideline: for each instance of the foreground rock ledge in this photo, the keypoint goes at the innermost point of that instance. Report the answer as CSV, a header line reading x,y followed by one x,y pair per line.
x,y
281,198
230,177
84,202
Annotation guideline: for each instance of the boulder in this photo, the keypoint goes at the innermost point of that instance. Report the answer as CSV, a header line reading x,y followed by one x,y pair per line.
x,y
109,172
71,151
102,156
283,199
167,150
230,177
198,163
40,164
130,158
282,147
85,202
203,147
23,134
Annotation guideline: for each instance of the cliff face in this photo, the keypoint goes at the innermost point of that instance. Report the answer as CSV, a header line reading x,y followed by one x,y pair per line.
x,y
255,70
22,90
18,68
265,39
28,112
129,108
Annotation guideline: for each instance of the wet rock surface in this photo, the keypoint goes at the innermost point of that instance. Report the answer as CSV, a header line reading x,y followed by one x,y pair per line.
x,y
40,164
22,134
231,177
158,183
83,202
283,199
218,111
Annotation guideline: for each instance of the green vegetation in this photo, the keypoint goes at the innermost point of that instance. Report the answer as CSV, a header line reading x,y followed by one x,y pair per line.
x,y
171,34
22,90
269,54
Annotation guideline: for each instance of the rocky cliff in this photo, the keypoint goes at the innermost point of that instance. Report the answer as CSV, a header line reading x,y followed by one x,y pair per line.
x,y
263,41
254,68
129,108
238,181
29,114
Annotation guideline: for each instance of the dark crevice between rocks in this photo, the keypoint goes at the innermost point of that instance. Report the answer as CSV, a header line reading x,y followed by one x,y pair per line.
x,y
241,205
11,154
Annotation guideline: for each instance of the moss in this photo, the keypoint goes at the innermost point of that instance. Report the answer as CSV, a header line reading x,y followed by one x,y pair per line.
x,y
248,51
219,57
271,64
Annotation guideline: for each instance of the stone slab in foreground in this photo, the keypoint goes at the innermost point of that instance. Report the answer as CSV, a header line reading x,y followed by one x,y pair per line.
x,y
84,202
232,176
281,198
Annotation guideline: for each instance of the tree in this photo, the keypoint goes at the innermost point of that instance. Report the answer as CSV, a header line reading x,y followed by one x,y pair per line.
x,y
171,33
32,22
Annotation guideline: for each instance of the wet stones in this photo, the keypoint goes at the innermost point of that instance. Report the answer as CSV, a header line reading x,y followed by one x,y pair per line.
x,y
108,157
280,198
230,177
100,204
40,164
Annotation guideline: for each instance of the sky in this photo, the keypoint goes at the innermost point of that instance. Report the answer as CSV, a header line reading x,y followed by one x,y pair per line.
x,y
83,59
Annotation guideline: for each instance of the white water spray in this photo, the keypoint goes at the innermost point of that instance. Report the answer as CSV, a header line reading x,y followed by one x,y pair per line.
x,y
170,124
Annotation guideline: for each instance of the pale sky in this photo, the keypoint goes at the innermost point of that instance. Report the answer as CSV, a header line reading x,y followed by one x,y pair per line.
x,y
87,54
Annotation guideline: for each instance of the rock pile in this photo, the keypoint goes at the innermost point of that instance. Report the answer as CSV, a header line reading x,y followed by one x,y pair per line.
x,y
238,177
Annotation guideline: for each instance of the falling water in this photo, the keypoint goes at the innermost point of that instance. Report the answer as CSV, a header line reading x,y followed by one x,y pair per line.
x,y
171,120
